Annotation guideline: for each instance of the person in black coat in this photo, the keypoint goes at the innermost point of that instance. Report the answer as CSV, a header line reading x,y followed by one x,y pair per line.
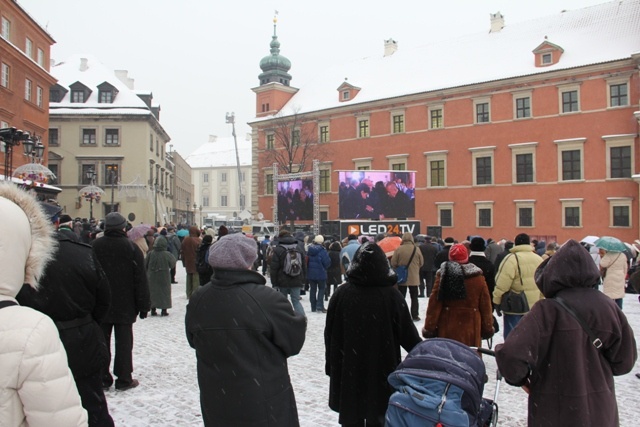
x,y
429,252
367,322
286,284
478,258
205,271
123,264
75,293
334,273
243,332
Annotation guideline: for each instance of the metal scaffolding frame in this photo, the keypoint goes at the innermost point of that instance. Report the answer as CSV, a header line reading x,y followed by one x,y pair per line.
x,y
315,174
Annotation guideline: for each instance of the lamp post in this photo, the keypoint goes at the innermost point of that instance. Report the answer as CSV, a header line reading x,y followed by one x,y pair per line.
x,y
231,118
155,203
12,138
91,195
200,222
186,212
113,179
195,206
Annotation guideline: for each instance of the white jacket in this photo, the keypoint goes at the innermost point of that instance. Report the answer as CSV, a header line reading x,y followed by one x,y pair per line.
x,y
36,385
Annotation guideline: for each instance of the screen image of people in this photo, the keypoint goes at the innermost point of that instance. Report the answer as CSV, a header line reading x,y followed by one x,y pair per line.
x,y
295,200
366,194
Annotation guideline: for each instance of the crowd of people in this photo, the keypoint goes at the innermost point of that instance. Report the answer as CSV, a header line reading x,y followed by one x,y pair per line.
x,y
56,329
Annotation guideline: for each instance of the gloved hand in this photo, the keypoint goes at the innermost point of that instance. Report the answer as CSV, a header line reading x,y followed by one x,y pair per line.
x,y
143,314
496,308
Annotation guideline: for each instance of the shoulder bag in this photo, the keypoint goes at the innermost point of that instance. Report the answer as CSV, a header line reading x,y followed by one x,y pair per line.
x,y
402,271
515,302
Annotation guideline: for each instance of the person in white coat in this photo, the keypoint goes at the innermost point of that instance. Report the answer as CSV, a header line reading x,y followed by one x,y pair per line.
x,y
36,385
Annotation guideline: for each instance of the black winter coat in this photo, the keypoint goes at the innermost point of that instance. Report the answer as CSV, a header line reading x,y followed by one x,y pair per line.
x,y
334,273
429,252
243,332
123,263
488,270
278,277
441,256
74,287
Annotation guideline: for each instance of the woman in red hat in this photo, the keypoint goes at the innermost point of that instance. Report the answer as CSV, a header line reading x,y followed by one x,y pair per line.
x,y
460,305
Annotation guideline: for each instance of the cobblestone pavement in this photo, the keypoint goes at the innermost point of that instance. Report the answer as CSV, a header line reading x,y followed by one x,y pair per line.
x,y
168,394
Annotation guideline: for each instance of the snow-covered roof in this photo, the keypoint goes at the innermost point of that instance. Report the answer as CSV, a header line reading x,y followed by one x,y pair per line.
x,y
220,152
592,35
87,70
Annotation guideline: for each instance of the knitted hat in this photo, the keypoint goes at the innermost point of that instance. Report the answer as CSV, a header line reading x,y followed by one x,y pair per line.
x,y
222,231
370,267
477,244
448,241
459,254
65,220
233,251
318,239
522,239
115,221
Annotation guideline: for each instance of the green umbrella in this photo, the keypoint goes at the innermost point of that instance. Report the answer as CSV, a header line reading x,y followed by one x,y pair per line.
x,y
610,244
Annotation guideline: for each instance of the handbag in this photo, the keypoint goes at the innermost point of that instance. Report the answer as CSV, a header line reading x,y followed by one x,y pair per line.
x,y
515,302
402,271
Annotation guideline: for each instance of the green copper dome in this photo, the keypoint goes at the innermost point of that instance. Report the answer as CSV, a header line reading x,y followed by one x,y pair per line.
x,y
275,67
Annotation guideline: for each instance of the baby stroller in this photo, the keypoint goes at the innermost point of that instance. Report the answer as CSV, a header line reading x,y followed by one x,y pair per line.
x,y
440,383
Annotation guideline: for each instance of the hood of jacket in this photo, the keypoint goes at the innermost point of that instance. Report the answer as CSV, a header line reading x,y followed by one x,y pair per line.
x,y
160,244
314,249
370,267
287,240
570,267
407,237
27,240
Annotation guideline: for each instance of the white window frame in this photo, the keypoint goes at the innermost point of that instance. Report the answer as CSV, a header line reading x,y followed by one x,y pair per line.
x,y
568,88
397,113
39,97
362,162
520,95
572,203
320,126
434,156
6,75
433,108
476,102
274,185
477,152
3,125
546,58
612,141
441,206
223,177
618,202
28,89
618,81
483,205
40,57
6,29
525,204
346,95
28,47
325,166
360,119
522,148
570,145
398,159
224,200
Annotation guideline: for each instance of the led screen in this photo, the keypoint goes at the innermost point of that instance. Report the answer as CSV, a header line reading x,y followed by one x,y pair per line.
x,y
295,200
367,194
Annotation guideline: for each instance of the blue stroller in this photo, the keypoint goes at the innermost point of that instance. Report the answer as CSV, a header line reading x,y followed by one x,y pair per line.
x,y
440,383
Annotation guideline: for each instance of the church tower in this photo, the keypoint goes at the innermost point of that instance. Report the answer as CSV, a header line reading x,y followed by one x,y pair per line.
x,y
274,90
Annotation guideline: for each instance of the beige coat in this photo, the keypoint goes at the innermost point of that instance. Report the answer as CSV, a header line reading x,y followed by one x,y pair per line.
x,y
616,265
402,255
518,274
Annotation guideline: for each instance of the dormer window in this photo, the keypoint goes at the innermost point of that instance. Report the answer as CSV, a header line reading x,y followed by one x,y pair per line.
x,y
547,54
77,96
345,95
57,93
546,59
79,93
106,93
347,92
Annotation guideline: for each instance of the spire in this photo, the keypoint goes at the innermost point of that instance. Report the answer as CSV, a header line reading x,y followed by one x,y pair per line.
x,y
275,67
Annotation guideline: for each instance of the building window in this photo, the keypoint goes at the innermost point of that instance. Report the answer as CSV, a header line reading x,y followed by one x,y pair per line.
x,y
77,96
28,87
484,216
223,177
111,174
6,29
54,137
524,167
53,180
620,216
223,200
571,165
205,177
271,141
437,173
6,71
572,216
482,112
398,166
325,180
84,170
483,171
40,58
345,95
363,168
618,96
105,97
295,137
362,163
112,136
525,217
88,136
205,201
324,133
620,161
570,101
363,128
445,215
546,58
398,123
268,184
523,108
39,97
28,48
436,118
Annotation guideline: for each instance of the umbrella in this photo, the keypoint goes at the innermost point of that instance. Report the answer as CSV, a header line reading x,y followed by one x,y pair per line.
x,y
610,244
590,240
390,244
34,172
138,231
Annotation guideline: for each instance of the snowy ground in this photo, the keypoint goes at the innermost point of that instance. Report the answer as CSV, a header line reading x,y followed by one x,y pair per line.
x,y
168,393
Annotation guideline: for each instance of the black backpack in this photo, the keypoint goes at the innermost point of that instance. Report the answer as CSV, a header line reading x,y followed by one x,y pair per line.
x,y
202,265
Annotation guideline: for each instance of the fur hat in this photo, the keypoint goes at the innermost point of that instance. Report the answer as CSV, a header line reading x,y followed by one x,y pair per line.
x,y
477,244
448,241
459,254
65,220
522,239
318,239
235,251
370,267
115,221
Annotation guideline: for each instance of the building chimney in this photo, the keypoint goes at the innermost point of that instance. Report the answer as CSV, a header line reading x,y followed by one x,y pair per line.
x,y
122,75
212,138
497,22
390,46
84,64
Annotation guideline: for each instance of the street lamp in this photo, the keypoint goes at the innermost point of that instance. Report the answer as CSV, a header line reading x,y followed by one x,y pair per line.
x,y
186,212
91,195
11,138
200,222
113,179
155,203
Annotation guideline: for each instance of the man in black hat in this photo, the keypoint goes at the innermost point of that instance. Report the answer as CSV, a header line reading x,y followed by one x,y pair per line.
x,y
123,262
74,293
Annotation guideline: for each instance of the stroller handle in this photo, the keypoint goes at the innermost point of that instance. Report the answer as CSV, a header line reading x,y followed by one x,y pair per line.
x,y
484,351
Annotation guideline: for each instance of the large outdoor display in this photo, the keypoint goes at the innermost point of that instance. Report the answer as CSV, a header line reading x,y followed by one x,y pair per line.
x,y
367,194
295,200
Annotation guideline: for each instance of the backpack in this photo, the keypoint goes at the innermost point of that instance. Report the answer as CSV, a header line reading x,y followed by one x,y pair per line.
x,y
292,261
202,266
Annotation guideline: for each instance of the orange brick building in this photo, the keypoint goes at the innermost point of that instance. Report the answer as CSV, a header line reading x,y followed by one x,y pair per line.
x,y
24,76
531,127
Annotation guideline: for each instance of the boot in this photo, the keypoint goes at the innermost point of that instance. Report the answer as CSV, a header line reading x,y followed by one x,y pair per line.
x,y
154,312
164,312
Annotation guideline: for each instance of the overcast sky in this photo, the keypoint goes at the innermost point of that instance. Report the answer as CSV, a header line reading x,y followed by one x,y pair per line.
x,y
200,58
